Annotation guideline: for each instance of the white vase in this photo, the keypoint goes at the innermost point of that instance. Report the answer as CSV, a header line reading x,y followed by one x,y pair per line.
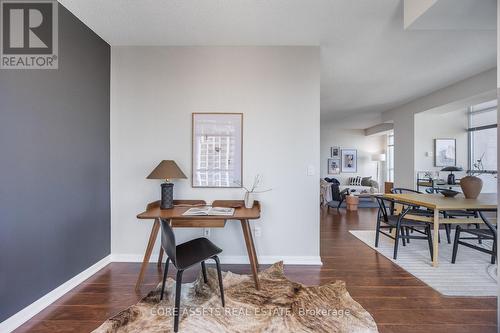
x,y
249,200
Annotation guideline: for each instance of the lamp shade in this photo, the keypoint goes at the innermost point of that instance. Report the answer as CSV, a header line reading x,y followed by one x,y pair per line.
x,y
378,157
452,168
167,169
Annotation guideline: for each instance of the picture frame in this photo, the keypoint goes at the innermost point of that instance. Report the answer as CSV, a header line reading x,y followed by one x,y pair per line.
x,y
333,166
335,152
349,160
217,150
445,152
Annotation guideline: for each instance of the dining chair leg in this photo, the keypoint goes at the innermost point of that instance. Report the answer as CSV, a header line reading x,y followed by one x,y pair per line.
x,y
219,275
165,272
204,271
479,240
447,228
407,235
455,244
178,285
429,240
396,243
402,235
377,230
494,255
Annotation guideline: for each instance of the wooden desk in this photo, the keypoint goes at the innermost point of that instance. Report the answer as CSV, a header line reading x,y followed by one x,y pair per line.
x,y
438,202
177,220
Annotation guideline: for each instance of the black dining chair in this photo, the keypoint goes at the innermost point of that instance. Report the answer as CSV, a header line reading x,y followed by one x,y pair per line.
x,y
400,223
489,233
338,195
421,211
184,256
402,190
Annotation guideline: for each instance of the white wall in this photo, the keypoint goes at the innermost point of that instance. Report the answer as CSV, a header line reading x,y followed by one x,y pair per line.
x,y
430,126
334,134
476,89
154,92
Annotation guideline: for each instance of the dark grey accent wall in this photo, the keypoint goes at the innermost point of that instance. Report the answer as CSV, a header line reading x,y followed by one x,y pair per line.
x,y
54,168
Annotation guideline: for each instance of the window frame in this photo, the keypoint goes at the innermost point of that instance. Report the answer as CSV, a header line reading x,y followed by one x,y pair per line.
x,y
470,137
390,157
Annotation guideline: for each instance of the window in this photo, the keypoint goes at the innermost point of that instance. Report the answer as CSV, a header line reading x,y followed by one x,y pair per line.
x,y
390,156
483,144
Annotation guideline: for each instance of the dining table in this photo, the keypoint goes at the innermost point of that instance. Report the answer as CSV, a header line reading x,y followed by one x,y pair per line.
x,y
439,203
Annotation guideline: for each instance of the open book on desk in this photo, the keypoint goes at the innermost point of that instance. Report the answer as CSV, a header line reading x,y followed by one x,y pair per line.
x,y
209,211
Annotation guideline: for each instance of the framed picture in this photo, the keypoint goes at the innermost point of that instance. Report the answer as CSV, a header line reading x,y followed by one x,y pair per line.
x,y
349,160
333,166
445,152
217,159
335,152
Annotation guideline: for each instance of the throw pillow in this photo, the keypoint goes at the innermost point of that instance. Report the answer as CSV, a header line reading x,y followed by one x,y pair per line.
x,y
366,181
356,181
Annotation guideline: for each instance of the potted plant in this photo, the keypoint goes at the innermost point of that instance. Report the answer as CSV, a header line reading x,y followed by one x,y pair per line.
x,y
250,192
471,185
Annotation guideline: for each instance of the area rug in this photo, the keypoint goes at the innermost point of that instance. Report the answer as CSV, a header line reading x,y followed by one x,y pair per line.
x,y
279,306
471,275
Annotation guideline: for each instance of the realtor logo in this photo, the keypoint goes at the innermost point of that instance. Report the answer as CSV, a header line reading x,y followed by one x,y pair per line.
x,y
29,34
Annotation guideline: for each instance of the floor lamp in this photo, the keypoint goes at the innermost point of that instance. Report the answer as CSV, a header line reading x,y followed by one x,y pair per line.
x,y
378,158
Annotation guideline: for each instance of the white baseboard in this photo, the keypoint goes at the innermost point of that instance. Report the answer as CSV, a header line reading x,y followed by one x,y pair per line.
x,y
28,312
288,260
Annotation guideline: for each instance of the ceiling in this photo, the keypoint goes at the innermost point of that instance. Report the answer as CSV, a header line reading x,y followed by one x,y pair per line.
x,y
369,63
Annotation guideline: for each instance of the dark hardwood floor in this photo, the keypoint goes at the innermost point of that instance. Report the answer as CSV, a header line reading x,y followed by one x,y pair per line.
x,y
398,301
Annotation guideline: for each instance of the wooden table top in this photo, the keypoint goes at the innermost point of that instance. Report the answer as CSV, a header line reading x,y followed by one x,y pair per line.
x,y
440,202
153,210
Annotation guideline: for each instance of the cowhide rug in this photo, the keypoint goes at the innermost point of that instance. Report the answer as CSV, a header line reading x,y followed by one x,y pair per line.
x,y
280,306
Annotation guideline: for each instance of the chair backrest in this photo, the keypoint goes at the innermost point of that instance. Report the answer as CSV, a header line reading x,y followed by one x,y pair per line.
x,y
490,226
402,190
385,207
168,240
336,192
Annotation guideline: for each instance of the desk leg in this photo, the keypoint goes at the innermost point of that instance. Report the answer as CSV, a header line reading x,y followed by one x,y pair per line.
x,y
435,239
147,255
252,256
160,257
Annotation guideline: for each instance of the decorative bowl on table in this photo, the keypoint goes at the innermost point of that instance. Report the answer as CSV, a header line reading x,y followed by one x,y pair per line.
x,y
448,193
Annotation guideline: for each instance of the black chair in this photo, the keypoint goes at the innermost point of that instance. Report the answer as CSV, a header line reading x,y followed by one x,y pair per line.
x,y
402,190
489,233
184,256
400,223
423,211
338,195
463,214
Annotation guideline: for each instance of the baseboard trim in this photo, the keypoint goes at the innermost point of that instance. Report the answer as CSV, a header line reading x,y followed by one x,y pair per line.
x,y
236,260
31,310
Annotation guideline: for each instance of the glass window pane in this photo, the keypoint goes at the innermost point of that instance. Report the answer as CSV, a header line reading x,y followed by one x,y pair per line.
x,y
483,118
390,140
484,149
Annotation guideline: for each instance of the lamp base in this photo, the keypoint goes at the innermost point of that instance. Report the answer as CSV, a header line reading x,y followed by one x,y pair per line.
x,y
167,196
451,179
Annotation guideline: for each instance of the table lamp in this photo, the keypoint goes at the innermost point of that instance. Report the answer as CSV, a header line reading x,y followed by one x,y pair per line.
x,y
167,169
451,176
